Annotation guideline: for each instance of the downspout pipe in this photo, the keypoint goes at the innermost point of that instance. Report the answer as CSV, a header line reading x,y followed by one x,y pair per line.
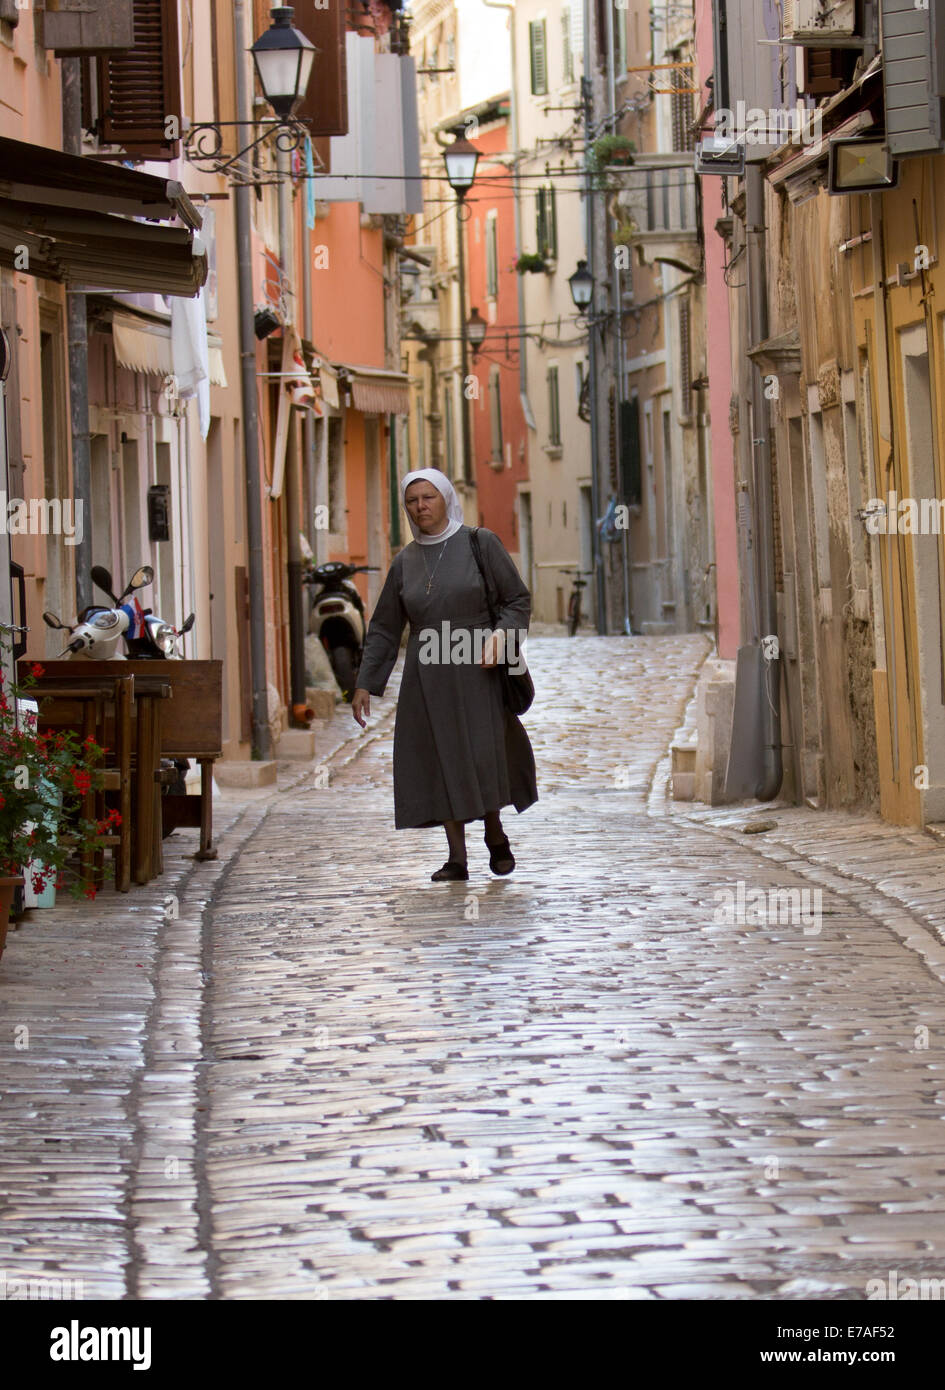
x,y
771,771
78,346
293,513
254,532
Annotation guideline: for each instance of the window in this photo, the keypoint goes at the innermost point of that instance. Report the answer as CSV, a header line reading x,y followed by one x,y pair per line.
x,y
631,483
567,52
538,50
495,411
681,107
492,254
685,359
547,223
620,39
337,518
554,409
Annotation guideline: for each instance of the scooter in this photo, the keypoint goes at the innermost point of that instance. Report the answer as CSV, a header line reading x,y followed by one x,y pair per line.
x,y
147,637
98,631
336,617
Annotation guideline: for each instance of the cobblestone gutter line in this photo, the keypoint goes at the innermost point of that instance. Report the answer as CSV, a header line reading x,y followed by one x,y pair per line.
x,y
894,875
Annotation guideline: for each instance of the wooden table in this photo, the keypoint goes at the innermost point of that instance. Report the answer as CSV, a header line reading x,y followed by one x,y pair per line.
x,y
189,724
100,703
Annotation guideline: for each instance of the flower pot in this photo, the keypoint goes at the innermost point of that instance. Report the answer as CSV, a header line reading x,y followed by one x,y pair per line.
x,y
7,888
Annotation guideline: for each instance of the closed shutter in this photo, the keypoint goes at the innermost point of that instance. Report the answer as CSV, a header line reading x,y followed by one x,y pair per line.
x,y
913,113
567,55
546,223
495,412
554,412
325,103
492,255
140,90
538,50
685,359
630,454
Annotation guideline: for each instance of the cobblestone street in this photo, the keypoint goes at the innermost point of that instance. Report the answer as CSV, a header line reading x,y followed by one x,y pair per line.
x,y
305,1071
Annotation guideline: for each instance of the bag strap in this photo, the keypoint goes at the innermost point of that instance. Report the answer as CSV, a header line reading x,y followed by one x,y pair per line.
x,y
477,553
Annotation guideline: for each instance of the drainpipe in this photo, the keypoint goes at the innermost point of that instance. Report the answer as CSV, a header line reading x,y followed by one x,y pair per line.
x,y
618,325
78,335
242,194
308,422
301,714
767,613
587,102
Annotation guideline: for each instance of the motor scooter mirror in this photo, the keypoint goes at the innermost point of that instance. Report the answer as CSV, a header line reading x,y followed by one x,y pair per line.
x,y
102,577
51,620
187,625
140,578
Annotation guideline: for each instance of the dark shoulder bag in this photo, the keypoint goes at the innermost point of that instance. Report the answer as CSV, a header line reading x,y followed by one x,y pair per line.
x,y
518,691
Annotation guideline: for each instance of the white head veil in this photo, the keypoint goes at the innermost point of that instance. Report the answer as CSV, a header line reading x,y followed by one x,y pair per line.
x,y
454,508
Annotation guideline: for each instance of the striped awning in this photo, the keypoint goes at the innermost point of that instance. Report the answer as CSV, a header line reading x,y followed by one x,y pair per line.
x,y
144,345
377,392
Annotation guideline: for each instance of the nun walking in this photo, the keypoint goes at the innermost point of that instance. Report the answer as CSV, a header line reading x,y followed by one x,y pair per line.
x,y
459,754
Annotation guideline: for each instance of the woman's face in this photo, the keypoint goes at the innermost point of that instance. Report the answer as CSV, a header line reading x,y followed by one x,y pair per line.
x,y
426,507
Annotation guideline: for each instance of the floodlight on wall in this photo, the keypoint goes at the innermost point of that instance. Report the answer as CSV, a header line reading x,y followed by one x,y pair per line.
x,y
860,166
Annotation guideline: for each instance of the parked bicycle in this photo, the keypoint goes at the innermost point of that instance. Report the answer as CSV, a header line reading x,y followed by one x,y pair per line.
x,y
573,619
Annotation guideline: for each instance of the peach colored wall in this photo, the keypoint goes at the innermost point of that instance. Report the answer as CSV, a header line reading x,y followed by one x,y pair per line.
x,y
718,357
347,294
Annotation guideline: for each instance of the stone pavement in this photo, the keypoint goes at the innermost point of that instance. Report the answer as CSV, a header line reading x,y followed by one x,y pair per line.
x,y
305,1071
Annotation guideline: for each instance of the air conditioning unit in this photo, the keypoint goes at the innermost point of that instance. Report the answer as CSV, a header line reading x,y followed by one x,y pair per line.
x,y
719,154
817,23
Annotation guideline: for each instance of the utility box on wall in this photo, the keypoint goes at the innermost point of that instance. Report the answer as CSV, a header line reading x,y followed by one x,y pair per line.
x,y
159,512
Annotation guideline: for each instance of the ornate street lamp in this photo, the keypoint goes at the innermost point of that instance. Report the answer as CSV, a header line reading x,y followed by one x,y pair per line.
x,y
582,286
283,59
461,159
476,331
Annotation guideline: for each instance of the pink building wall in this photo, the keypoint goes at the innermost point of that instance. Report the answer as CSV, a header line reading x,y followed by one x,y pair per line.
x,y
719,359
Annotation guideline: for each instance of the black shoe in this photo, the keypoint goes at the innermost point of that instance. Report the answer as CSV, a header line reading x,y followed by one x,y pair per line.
x,y
452,870
501,858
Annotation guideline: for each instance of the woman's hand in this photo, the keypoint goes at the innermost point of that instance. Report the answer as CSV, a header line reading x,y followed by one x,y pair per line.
x,y
493,648
360,706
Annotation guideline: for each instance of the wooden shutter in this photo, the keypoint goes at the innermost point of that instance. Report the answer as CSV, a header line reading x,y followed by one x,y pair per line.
x,y
325,103
538,52
241,578
492,255
139,90
567,57
631,481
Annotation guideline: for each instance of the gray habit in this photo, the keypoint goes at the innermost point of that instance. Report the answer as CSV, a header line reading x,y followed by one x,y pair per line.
x,y
458,753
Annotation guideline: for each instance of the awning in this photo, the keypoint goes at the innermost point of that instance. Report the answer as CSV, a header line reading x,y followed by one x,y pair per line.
x,y
68,218
144,345
375,391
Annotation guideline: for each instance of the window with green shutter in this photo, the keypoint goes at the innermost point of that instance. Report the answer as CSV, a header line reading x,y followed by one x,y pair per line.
x,y
567,52
631,482
495,412
547,223
538,49
492,254
554,408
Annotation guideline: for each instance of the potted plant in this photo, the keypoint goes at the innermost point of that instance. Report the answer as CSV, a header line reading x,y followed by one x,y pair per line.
x,y
612,149
532,262
44,782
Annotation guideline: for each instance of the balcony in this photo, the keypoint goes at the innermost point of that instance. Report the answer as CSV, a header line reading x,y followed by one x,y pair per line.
x,y
657,199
